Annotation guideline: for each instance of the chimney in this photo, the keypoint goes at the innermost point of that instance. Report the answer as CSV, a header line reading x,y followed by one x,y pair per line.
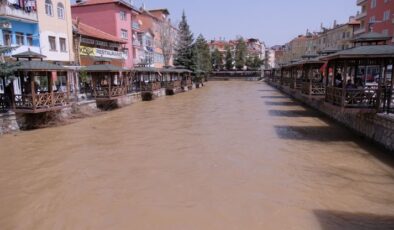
x,y
335,23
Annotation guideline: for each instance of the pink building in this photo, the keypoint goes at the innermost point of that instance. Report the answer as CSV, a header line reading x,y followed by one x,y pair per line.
x,y
111,16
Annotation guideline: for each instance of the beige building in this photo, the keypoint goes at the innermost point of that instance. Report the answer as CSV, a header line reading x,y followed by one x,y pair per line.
x,y
337,38
55,29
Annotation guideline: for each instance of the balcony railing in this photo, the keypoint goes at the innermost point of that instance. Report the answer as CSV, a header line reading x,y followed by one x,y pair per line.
x,y
353,98
360,31
116,91
360,2
361,15
9,11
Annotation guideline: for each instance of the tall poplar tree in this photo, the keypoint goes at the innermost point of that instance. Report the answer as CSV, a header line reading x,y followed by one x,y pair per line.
x,y
217,60
201,55
240,53
229,59
184,47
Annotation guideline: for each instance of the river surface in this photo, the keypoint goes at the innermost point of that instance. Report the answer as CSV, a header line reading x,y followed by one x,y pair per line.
x,y
229,156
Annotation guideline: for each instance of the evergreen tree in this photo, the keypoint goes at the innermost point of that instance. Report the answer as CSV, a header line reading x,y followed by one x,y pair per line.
x,y
249,62
6,68
257,62
217,60
184,47
240,54
229,59
201,55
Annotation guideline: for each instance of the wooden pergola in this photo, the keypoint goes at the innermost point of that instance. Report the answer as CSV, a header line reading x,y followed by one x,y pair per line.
x,y
109,82
148,78
186,78
170,80
292,75
312,79
44,86
361,77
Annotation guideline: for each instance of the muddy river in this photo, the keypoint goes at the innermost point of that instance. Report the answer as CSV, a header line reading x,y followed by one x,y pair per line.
x,y
230,156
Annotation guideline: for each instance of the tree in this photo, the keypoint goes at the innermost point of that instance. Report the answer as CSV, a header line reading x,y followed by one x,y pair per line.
x,y
257,62
217,60
240,54
167,40
229,59
6,68
249,62
184,47
201,55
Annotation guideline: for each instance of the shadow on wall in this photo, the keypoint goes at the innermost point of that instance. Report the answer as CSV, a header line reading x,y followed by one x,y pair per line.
x,y
293,113
274,97
337,220
282,103
312,133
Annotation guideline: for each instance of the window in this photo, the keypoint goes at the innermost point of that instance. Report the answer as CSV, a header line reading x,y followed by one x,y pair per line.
x,y
29,39
63,47
7,38
19,38
60,11
52,43
372,19
123,34
385,32
122,15
373,4
386,15
48,7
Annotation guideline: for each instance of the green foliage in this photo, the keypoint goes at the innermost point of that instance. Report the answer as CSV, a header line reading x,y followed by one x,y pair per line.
x,y
184,47
84,76
6,68
201,56
217,60
229,59
257,62
240,54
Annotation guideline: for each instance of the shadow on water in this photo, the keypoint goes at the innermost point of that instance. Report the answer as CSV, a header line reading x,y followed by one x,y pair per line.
x,y
312,133
338,220
274,97
293,113
282,103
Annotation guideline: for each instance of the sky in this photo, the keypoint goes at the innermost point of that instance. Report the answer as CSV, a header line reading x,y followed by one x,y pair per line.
x,y
273,21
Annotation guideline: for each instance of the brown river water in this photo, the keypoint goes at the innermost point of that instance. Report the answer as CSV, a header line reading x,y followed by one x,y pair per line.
x,y
230,156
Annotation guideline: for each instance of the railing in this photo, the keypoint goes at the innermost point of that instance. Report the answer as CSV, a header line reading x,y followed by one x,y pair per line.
x,y
287,81
313,88
150,86
171,84
298,83
187,83
4,104
353,98
7,10
41,101
116,91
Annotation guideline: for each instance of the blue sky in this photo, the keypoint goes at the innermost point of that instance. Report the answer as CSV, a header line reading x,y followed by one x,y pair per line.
x,y
273,21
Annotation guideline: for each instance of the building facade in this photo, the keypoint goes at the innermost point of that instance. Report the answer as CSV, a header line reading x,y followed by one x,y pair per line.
x,y
55,30
376,16
92,45
19,26
114,17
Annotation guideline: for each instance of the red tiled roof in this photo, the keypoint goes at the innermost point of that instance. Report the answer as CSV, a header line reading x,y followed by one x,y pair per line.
x,y
97,2
90,31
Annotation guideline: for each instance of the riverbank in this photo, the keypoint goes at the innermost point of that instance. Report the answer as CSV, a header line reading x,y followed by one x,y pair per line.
x,y
378,128
11,123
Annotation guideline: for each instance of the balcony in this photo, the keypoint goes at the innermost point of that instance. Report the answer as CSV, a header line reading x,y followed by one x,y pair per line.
x,y
137,43
361,15
360,31
361,2
10,12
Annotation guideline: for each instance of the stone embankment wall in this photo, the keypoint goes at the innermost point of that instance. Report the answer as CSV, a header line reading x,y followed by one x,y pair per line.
x,y
377,127
8,123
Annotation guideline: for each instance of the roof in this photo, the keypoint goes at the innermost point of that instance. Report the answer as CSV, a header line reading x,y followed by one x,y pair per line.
x,y
372,37
29,55
97,2
164,10
376,51
91,31
103,68
163,70
39,66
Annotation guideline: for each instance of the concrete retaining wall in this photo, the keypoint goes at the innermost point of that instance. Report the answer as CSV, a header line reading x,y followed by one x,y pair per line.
x,y
377,127
8,123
